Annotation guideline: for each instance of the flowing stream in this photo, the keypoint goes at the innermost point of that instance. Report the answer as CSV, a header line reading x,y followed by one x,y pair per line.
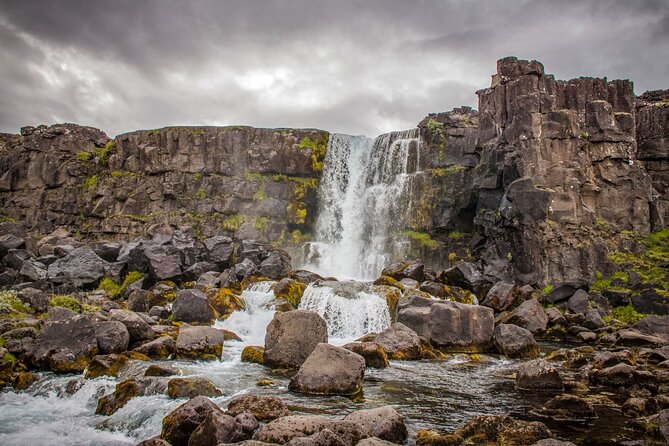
x,y
60,409
364,197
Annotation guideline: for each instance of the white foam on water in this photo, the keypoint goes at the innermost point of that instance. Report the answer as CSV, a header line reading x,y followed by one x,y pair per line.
x,y
364,197
348,316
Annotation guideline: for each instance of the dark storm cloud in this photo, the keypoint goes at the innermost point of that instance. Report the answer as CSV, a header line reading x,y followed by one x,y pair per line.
x,y
350,66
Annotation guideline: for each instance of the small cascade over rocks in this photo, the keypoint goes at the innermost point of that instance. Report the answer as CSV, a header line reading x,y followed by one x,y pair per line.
x,y
351,309
364,197
251,323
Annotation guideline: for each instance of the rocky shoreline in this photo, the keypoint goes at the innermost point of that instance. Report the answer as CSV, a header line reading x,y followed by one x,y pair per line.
x,y
101,309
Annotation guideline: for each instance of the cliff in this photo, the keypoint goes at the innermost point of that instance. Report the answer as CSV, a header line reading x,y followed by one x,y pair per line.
x,y
244,182
539,185
555,176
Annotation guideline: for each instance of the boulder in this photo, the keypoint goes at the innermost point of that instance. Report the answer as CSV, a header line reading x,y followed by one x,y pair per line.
x,y
36,299
125,391
66,346
81,267
191,387
529,315
375,356
192,306
196,270
579,302
284,429
399,342
179,424
646,302
248,423
254,354
465,275
292,336
330,370
382,422
263,408
564,290
501,296
215,429
162,347
538,374
200,342
156,441
276,265
112,337
449,326
106,365
138,329
624,375
515,342
654,326
220,250
555,317
567,407
291,290
322,438
407,270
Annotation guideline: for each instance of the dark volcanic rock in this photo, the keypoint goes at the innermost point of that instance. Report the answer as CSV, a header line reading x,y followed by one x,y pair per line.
x,y
179,424
263,408
292,336
399,342
538,375
515,342
330,370
192,306
81,267
449,326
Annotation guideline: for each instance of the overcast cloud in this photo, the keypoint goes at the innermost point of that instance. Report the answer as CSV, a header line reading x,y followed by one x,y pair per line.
x,y
359,67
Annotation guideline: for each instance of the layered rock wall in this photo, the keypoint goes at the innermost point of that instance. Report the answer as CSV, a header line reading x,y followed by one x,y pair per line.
x,y
240,181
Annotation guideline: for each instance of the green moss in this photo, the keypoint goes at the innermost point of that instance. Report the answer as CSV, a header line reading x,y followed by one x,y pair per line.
x,y
65,301
123,173
90,182
11,306
233,222
454,235
443,171
605,284
602,225
318,147
197,176
103,153
627,314
113,289
297,213
200,194
109,286
649,263
260,194
260,223
547,289
83,156
422,238
297,236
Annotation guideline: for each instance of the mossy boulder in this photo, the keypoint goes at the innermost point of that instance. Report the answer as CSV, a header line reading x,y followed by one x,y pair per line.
x,y
179,424
24,380
389,281
291,290
263,407
106,365
162,347
196,342
254,354
224,301
125,391
392,295
375,356
330,370
191,387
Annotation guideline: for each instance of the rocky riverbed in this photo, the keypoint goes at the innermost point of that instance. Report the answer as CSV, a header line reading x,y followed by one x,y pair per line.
x,y
177,340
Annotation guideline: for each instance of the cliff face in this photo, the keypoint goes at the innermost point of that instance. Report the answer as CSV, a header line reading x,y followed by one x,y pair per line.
x,y
241,181
540,184
557,181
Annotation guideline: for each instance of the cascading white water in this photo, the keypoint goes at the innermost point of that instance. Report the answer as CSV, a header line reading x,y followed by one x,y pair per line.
x,y
349,315
363,203
251,323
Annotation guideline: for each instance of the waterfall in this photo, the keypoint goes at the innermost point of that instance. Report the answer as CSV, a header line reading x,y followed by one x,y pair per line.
x,y
250,323
349,309
363,200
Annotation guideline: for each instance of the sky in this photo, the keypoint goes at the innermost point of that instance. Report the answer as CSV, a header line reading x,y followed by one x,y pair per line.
x,y
357,67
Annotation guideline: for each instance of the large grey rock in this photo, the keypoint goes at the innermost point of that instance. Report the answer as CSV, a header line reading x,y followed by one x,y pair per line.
x,y
381,422
275,266
449,326
179,424
654,326
200,342
220,250
137,327
579,302
399,342
190,387
162,347
330,370
323,438
37,299
500,296
263,407
529,315
465,275
81,267
515,342
217,428
112,336
292,336
538,374
192,306
66,346
284,429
